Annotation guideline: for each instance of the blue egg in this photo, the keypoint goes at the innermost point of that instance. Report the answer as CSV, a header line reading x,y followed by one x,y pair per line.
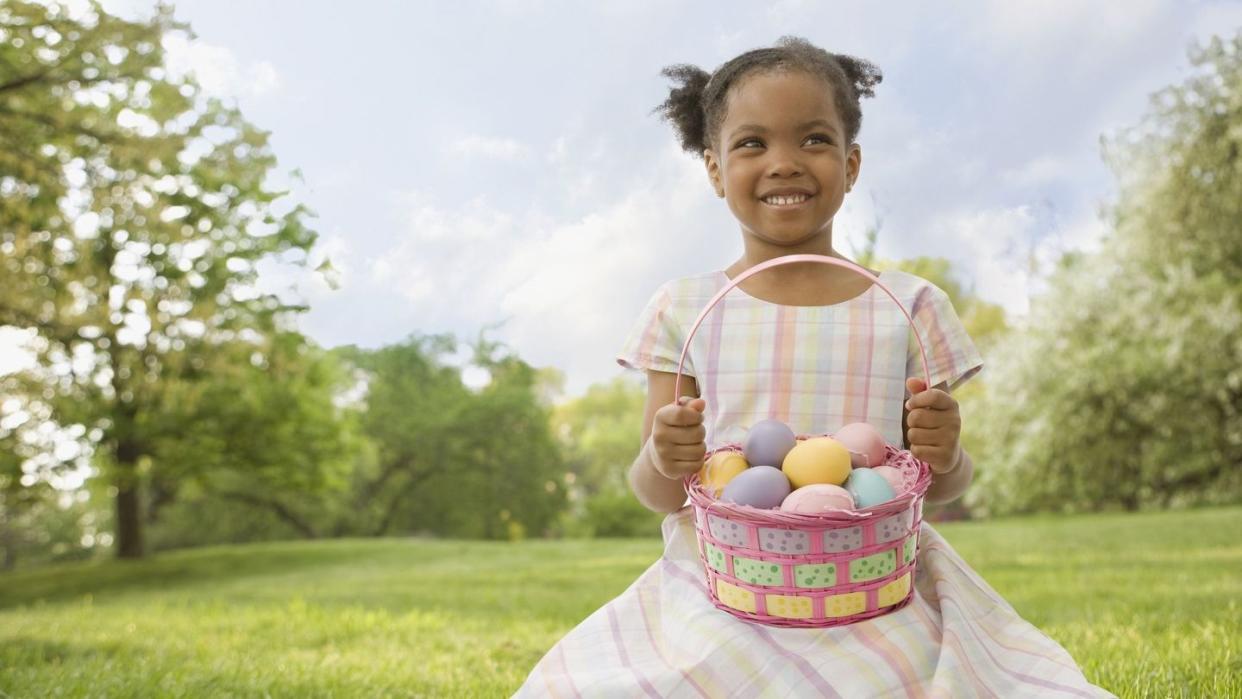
x,y
868,488
768,442
758,486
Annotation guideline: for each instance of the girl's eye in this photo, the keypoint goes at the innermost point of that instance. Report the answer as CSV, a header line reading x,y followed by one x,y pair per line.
x,y
749,143
818,138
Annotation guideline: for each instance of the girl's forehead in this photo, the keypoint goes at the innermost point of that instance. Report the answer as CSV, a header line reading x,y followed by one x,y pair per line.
x,y
775,98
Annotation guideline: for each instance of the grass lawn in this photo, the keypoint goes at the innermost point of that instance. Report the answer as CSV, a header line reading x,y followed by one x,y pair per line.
x,y
1148,605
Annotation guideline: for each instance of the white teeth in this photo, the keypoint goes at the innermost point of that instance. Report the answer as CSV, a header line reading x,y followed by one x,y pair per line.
x,y
779,200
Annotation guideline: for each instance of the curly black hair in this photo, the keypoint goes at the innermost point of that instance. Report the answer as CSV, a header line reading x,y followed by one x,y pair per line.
x,y
696,103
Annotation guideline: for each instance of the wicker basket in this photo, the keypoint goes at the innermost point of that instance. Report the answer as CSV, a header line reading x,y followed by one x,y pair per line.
x,y
788,569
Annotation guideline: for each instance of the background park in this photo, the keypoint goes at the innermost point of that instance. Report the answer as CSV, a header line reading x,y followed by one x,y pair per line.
x,y
266,432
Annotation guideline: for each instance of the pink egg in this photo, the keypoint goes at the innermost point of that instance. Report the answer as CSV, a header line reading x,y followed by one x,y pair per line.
x,y
865,443
893,476
818,498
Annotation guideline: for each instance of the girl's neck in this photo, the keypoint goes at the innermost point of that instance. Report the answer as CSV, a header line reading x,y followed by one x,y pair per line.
x,y
798,284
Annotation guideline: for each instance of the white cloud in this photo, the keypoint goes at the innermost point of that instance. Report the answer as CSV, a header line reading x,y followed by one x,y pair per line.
x,y
498,148
992,245
1059,29
217,69
567,290
1007,252
1041,170
444,254
981,146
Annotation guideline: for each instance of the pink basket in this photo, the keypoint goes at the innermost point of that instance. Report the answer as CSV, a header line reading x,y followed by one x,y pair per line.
x,y
788,569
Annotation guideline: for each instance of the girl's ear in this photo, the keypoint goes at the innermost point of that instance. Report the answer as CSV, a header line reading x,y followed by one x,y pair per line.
x,y
713,171
853,164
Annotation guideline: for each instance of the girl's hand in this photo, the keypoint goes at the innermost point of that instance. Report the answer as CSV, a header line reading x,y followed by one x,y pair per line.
x,y
677,438
933,426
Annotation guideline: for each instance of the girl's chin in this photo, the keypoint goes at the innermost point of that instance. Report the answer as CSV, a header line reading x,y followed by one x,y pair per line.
x,y
792,238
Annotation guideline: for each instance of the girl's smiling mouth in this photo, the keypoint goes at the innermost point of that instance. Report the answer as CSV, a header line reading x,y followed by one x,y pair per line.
x,y
787,200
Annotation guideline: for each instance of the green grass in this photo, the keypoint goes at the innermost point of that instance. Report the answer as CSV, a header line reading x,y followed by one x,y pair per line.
x,y
1147,604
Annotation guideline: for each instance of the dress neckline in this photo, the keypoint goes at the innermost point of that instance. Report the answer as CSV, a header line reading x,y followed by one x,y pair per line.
x,y
739,291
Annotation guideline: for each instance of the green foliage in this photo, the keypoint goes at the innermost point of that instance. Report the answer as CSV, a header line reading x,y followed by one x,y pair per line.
x,y
1125,388
984,321
1145,608
261,434
600,433
618,513
447,460
133,214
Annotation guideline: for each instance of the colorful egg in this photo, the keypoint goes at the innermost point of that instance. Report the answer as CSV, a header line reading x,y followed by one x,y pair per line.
x,y
758,486
818,498
868,488
768,442
865,443
818,460
721,467
893,476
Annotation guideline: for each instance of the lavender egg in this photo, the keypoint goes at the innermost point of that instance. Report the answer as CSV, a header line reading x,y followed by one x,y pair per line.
x,y
768,442
764,487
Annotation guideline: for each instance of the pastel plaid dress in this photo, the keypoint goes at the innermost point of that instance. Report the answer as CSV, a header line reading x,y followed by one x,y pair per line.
x,y
815,368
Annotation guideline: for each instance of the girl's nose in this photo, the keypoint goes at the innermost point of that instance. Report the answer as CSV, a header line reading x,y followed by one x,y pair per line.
x,y
784,163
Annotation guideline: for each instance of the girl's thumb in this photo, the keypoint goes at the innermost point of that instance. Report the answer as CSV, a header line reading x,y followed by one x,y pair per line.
x,y
694,403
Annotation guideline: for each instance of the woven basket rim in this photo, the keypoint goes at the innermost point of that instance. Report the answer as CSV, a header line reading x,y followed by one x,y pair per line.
x,y
701,499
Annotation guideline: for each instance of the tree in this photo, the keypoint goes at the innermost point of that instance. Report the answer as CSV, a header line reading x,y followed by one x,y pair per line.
x,y
1125,388
267,433
984,321
600,434
445,459
133,212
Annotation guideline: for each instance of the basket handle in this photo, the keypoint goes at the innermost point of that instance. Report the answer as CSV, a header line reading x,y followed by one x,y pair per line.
x,y
790,259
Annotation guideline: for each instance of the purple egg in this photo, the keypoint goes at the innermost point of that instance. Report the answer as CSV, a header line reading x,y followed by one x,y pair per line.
x,y
768,442
758,486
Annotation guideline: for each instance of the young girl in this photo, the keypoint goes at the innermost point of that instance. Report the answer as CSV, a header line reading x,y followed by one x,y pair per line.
x,y
816,347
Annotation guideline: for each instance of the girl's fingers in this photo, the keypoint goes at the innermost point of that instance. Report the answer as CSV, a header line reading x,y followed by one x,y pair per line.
x,y
932,455
685,417
687,467
685,436
696,404
688,453
934,399
931,419
694,435
929,438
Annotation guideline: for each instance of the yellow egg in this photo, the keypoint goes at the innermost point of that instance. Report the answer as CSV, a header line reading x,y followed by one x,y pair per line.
x,y
818,460
720,469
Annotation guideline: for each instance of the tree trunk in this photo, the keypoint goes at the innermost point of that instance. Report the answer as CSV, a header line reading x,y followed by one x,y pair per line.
x,y
129,520
286,514
8,539
129,539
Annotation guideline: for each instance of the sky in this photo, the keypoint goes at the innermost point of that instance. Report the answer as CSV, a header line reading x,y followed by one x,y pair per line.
x,y
497,165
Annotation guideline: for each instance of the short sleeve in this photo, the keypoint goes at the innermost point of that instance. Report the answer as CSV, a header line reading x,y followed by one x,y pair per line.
x,y
952,358
656,340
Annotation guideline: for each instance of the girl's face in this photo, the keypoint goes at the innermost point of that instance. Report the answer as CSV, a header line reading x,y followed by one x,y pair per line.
x,y
781,160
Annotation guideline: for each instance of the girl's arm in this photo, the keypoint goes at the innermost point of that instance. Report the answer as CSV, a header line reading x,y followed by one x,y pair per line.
x,y
654,490
947,487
